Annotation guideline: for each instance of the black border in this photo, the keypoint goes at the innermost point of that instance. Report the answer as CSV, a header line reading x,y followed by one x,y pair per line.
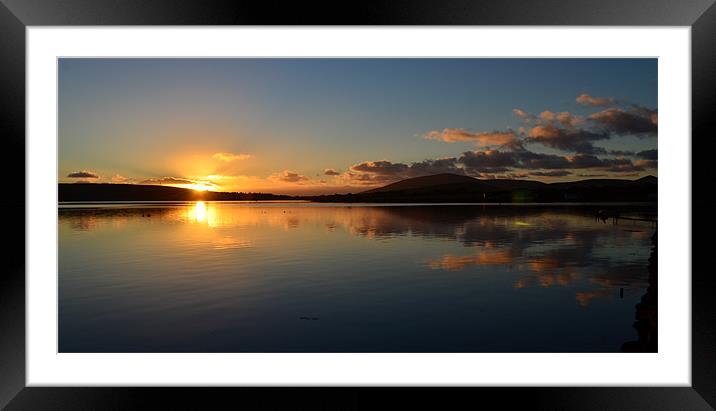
x,y
15,15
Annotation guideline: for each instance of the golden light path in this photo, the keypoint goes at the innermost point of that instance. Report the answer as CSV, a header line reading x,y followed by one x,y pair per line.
x,y
200,211
204,213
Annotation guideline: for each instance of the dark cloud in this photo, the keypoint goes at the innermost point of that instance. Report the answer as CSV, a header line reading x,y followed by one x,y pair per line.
x,y
647,154
331,172
493,161
382,167
514,175
571,140
652,115
637,121
166,180
382,171
590,161
627,166
490,164
439,166
366,178
531,160
489,161
289,177
553,173
82,174
621,153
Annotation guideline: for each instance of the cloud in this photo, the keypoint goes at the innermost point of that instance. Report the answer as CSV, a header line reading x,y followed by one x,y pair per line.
x,y
647,154
563,131
383,167
483,139
645,164
514,176
439,166
572,133
652,115
621,153
166,180
384,171
587,100
83,174
121,179
530,160
493,161
527,117
489,161
569,138
564,118
547,115
553,173
228,157
637,121
174,181
288,176
376,172
572,140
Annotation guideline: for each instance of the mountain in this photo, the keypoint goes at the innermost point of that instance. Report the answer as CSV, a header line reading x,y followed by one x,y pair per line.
x,y
449,188
137,192
448,180
425,181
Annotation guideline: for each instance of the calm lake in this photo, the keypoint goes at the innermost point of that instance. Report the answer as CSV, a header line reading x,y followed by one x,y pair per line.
x,y
302,277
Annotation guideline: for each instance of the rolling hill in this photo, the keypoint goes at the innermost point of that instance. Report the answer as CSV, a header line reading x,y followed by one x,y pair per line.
x,y
448,188
136,192
425,182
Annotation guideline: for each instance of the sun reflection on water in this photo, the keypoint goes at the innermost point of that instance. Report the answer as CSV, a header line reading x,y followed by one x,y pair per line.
x,y
199,211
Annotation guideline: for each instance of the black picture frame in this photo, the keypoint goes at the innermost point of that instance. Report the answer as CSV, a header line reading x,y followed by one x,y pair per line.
x,y
15,15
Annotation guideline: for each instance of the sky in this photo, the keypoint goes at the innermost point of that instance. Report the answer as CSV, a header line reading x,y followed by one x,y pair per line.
x,y
314,126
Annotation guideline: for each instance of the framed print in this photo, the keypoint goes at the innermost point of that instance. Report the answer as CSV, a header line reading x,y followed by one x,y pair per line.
x,y
408,197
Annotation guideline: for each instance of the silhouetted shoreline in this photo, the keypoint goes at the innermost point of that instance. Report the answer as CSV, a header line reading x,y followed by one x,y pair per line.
x,y
646,316
442,188
94,192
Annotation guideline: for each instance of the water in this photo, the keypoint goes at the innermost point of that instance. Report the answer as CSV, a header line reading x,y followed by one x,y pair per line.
x,y
278,277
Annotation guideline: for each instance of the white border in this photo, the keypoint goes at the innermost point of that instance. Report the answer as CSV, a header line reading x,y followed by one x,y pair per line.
x,y
671,366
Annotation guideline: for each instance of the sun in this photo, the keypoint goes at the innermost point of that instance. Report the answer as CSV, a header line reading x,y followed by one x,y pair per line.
x,y
196,186
199,187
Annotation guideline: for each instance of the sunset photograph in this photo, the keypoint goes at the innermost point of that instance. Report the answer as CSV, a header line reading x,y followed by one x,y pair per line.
x,y
347,205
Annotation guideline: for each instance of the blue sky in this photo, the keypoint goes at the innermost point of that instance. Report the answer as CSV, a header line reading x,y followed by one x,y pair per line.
x,y
288,120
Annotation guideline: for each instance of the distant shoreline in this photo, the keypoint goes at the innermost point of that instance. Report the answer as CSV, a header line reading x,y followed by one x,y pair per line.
x,y
69,204
439,188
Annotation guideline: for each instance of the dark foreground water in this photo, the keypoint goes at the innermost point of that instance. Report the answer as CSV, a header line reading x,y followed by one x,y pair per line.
x,y
276,277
